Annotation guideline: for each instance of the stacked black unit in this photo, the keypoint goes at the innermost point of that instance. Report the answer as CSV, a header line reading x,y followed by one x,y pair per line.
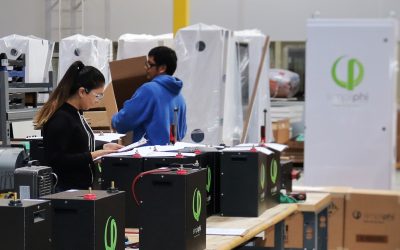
x,y
36,150
33,182
274,178
86,222
173,215
287,178
249,182
209,158
123,170
25,226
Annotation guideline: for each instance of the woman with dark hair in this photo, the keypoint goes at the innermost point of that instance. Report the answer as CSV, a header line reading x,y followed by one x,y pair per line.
x,y
68,140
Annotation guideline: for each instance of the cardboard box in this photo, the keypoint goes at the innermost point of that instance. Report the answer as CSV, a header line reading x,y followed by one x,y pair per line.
x,y
128,75
97,119
335,212
372,220
281,130
294,232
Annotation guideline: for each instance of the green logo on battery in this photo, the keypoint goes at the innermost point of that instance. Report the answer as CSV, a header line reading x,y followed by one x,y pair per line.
x,y
274,171
196,206
262,176
208,186
353,80
110,233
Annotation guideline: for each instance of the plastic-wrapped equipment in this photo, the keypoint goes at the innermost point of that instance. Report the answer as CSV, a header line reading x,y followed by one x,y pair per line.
x,y
91,50
38,53
208,67
249,46
283,83
135,45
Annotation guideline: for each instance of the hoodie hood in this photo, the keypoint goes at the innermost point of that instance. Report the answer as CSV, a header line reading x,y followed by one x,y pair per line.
x,y
172,84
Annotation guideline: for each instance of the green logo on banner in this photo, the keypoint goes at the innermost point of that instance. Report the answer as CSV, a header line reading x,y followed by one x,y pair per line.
x,y
110,233
208,186
196,206
355,73
274,171
262,176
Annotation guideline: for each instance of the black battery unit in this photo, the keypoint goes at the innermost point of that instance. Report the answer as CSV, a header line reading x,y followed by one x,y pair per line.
x,y
36,150
173,210
209,158
33,182
286,175
205,158
84,222
150,163
26,225
246,183
274,176
123,170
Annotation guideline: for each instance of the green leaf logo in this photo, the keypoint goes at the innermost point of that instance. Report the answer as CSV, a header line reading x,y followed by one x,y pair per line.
x,y
196,204
208,186
274,170
262,176
110,233
353,80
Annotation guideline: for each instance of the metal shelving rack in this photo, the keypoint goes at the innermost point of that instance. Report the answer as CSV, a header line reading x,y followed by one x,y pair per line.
x,y
8,115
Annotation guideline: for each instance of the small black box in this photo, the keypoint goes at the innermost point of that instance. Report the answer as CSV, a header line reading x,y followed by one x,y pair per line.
x,y
123,170
248,182
26,227
80,224
33,182
173,215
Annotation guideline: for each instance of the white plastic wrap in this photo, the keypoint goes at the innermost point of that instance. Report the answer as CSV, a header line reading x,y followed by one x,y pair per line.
x,y
38,53
212,96
134,45
250,48
283,83
91,50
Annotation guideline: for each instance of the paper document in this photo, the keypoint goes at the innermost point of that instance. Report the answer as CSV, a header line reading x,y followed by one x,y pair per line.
x,y
226,231
133,145
276,146
245,149
107,137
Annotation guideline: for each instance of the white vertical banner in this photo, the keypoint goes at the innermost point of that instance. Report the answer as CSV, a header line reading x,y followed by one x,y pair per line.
x,y
350,103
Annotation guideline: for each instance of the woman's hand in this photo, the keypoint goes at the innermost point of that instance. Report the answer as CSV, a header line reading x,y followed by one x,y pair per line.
x,y
112,146
99,153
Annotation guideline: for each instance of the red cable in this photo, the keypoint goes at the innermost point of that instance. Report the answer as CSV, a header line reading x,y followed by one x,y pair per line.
x,y
159,170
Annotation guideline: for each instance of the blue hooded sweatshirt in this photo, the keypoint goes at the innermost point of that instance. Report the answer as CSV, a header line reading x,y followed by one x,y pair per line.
x,y
150,111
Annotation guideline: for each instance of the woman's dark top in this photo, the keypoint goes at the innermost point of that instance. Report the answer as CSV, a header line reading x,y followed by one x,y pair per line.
x,y
68,141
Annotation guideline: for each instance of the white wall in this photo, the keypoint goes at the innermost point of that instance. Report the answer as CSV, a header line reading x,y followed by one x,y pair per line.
x,y
23,17
283,20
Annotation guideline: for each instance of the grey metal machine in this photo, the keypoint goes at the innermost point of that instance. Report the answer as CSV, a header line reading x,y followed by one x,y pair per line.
x,y
10,157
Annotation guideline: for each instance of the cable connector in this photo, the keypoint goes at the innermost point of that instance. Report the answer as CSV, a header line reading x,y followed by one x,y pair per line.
x,y
15,202
112,189
136,155
90,196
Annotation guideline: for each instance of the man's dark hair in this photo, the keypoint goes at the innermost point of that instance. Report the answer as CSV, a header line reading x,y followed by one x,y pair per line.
x,y
164,56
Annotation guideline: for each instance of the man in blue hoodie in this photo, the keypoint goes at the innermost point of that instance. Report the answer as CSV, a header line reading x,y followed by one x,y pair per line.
x,y
150,111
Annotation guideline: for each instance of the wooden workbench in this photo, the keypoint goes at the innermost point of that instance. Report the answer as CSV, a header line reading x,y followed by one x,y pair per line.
x,y
250,226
